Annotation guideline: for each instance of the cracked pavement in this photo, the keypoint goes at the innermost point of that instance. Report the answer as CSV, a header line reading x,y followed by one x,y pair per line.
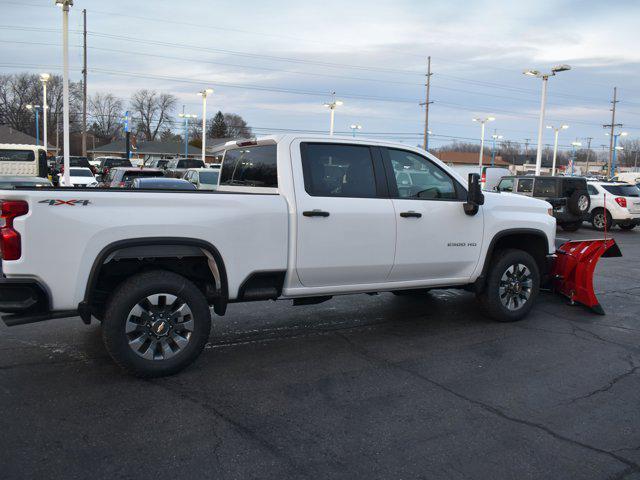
x,y
358,387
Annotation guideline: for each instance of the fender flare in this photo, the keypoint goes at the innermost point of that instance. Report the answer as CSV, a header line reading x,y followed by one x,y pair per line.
x,y
506,233
220,305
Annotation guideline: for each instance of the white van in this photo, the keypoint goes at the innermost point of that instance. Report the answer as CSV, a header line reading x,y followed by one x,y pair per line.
x,y
23,160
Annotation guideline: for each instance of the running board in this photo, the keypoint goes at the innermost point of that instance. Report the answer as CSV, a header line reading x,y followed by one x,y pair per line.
x,y
15,319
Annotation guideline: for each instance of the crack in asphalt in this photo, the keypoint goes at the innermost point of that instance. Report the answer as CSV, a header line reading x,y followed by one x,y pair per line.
x,y
239,427
632,466
609,385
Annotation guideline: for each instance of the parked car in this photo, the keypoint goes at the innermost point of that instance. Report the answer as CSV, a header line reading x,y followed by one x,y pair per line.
x,y
202,178
107,163
301,218
7,181
489,176
23,160
79,177
162,183
621,206
177,166
158,163
122,177
567,195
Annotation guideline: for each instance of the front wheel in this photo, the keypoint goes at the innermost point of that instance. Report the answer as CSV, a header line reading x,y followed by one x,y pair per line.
x,y
628,226
156,323
512,285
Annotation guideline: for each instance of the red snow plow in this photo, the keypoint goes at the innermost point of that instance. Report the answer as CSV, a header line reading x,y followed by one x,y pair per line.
x,y
572,271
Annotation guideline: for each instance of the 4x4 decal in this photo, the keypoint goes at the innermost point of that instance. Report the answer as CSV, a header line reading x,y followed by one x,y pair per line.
x,y
55,202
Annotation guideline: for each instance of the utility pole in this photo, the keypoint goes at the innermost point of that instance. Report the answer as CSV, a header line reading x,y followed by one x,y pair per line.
x,y
426,105
127,136
84,84
527,141
612,125
588,139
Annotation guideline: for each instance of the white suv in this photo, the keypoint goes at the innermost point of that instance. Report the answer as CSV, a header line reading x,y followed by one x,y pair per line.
x,y
620,207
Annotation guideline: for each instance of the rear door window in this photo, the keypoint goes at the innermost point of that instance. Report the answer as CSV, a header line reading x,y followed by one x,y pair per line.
x,y
525,185
592,190
334,170
544,187
7,155
253,166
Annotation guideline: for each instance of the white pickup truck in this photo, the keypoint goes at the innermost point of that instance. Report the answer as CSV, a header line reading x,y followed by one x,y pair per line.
x,y
294,217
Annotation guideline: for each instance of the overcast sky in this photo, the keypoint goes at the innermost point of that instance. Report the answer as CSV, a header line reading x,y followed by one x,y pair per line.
x,y
275,62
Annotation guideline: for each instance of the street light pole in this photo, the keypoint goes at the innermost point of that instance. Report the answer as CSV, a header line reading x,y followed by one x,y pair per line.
x,y
495,137
203,94
573,155
482,122
36,109
332,107
44,78
556,130
543,101
65,5
186,117
615,151
354,127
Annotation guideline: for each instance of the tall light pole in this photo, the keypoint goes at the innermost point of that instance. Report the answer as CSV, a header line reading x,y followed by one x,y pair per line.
x,y
495,137
36,109
615,151
186,117
65,5
332,108
556,130
44,78
482,122
203,94
573,154
543,101
354,127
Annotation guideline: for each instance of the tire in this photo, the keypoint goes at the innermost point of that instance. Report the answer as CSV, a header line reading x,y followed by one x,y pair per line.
x,y
627,227
151,337
601,218
570,226
579,203
503,300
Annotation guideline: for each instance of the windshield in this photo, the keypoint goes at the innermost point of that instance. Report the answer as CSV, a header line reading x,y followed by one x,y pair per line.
x,y
622,190
190,164
210,178
117,162
79,172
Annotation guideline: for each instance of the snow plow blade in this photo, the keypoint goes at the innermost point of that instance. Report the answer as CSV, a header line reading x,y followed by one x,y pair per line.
x,y
572,272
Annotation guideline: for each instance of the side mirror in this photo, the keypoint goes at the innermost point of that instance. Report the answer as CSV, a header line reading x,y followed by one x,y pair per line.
x,y
475,198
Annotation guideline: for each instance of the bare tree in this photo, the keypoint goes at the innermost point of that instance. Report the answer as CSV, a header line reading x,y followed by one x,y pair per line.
x,y
629,156
106,112
237,127
153,110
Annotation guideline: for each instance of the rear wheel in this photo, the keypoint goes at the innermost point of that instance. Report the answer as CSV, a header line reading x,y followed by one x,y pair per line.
x,y
156,323
570,226
512,285
628,226
601,219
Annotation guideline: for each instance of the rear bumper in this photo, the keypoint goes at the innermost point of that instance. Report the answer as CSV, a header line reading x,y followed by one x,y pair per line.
x,y
25,301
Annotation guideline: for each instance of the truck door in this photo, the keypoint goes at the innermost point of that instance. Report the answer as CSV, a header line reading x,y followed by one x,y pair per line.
x,y
346,226
436,240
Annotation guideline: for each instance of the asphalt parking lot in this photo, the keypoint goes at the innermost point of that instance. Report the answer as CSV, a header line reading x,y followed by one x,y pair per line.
x,y
359,387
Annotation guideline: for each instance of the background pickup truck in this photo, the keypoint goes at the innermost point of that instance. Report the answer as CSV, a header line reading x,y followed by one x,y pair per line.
x,y
294,217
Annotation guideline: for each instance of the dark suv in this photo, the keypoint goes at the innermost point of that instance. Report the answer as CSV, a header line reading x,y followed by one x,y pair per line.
x,y
567,195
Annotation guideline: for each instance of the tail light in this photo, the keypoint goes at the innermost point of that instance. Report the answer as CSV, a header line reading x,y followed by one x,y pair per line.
x,y
10,244
122,184
621,201
483,179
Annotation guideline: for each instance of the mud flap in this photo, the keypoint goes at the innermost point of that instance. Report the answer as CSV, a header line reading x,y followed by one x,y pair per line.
x,y
572,272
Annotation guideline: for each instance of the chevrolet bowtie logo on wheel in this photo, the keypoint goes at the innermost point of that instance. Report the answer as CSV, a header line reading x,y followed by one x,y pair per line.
x,y
55,202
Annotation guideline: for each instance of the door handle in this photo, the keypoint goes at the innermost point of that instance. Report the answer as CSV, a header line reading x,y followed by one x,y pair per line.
x,y
315,213
410,214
